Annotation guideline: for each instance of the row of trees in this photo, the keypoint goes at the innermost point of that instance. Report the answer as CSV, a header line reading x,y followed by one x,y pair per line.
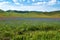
x,y
2,11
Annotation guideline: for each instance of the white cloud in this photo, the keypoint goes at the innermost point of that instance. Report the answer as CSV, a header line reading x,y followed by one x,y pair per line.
x,y
28,8
16,2
52,2
4,5
39,3
1,3
7,6
38,6
33,0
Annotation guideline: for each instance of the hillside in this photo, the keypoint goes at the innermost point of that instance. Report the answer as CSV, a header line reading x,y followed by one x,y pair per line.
x,y
29,14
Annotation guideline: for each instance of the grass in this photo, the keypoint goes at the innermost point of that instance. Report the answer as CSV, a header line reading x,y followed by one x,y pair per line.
x,y
24,30
29,30
30,15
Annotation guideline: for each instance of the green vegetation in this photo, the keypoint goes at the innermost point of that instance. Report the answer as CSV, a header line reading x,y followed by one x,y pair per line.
x,y
29,30
29,14
24,30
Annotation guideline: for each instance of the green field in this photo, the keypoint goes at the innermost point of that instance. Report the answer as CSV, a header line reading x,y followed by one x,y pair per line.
x,y
29,14
29,30
24,30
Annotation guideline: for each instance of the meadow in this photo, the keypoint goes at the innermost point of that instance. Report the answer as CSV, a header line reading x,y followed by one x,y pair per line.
x,y
29,14
29,30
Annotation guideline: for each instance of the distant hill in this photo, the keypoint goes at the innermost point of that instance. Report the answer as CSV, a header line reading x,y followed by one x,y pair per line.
x,y
28,11
29,14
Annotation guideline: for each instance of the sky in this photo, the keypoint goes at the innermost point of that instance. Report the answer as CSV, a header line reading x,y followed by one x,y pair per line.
x,y
30,5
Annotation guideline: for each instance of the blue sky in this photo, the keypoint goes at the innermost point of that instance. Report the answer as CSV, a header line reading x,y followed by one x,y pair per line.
x,y
30,5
